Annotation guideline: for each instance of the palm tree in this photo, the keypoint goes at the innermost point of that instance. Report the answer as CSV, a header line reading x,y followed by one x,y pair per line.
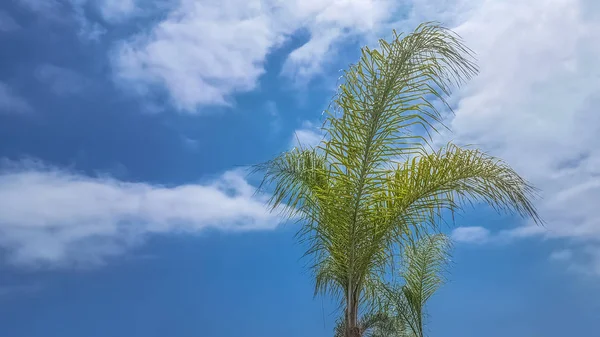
x,y
374,184
403,312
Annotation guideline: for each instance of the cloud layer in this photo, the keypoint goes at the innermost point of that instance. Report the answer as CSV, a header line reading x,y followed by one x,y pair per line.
x,y
52,217
205,51
535,102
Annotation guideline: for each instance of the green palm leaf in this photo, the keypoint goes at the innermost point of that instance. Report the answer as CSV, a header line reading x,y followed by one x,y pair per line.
x,y
424,264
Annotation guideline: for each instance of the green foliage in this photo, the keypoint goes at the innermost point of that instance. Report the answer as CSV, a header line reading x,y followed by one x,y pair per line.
x,y
381,324
403,311
374,186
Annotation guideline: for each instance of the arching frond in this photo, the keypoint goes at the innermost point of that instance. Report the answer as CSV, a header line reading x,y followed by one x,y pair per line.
x,y
420,189
380,324
424,264
390,91
298,178
304,190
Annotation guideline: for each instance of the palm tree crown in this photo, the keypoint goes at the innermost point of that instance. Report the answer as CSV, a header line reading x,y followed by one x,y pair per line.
x,y
374,185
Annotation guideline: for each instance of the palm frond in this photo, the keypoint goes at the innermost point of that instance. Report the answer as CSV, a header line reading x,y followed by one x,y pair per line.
x,y
380,324
298,177
390,91
424,264
420,189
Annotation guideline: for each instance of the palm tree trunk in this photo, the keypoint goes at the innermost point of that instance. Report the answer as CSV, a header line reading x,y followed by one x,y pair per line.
x,y
352,328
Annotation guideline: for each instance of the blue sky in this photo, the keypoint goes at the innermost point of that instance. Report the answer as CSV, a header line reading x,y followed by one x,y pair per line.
x,y
125,127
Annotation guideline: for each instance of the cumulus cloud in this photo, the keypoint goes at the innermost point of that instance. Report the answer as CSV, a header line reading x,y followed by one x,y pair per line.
x,y
205,51
56,217
201,53
60,80
11,102
535,102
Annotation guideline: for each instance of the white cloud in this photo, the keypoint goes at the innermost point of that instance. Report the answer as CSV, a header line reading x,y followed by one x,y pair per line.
x,y
201,53
7,23
11,102
330,21
204,51
62,81
473,234
535,102
308,135
56,217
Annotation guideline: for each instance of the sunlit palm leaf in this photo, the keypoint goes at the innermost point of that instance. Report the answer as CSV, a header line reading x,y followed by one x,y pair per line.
x,y
426,185
381,324
424,264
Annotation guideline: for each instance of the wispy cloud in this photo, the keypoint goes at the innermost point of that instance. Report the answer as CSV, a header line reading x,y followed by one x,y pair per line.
x,y
190,143
562,255
57,217
88,30
11,102
474,234
60,80
585,260
67,12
